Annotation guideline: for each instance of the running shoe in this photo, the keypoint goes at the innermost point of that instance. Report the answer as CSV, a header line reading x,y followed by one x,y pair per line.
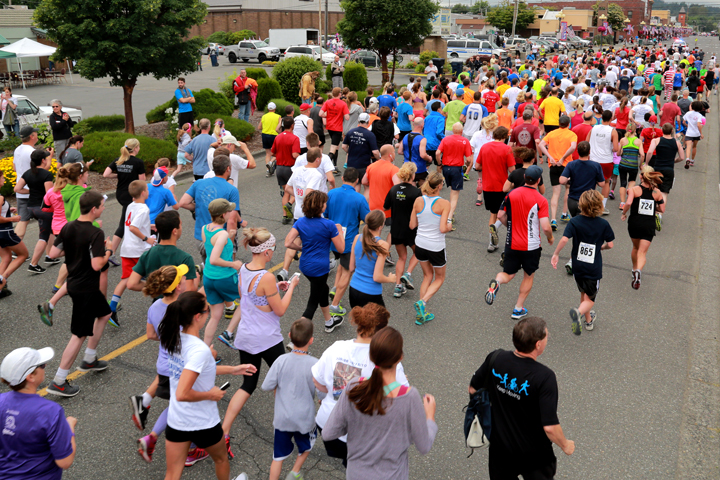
x,y
429,317
332,293
389,260
564,218
502,259
294,476
492,292
611,195
242,476
113,261
400,290
285,220
606,212
231,455
658,222
336,322
199,270
64,390
288,210
622,205
195,455
336,172
94,366
147,447
491,247
271,167
466,177
46,313
575,326
591,325
139,413
568,267
687,164
230,311
36,269
478,203
227,339
5,292
406,279
282,276
494,235
333,263
52,261
517,314
338,311
553,225
636,274
289,347
55,289
113,320
345,165
218,360
420,309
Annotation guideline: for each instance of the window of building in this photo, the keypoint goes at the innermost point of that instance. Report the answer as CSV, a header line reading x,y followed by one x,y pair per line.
x,y
629,14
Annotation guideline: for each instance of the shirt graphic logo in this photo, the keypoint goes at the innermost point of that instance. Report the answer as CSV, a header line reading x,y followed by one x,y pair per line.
x,y
9,426
511,388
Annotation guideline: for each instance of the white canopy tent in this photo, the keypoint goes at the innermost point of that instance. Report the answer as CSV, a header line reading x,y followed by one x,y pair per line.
x,y
30,48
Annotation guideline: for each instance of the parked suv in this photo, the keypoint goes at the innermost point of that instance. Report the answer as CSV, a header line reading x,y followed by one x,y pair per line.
x,y
316,52
252,49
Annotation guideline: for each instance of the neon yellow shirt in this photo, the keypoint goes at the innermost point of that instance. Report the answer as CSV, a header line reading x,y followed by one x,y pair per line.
x,y
269,123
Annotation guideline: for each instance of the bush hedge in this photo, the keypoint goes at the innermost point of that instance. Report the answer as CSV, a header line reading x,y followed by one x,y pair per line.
x,y
428,55
256,73
355,77
239,129
267,88
280,107
206,100
411,65
104,148
99,123
220,37
235,37
289,72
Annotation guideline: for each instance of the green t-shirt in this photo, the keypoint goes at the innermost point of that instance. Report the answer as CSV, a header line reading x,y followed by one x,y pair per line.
x,y
453,110
161,255
658,82
463,75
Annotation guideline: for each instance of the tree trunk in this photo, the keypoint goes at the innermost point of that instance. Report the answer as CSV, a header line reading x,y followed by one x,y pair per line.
x,y
383,67
392,75
128,88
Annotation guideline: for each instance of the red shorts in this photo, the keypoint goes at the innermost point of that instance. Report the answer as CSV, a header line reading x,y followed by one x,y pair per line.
x,y
607,169
127,266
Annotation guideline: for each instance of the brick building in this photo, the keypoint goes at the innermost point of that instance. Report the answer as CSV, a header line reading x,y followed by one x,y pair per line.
x,y
260,16
635,10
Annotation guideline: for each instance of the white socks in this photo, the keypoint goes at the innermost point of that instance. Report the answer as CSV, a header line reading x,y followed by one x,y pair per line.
x,y
146,400
497,224
90,355
60,376
604,202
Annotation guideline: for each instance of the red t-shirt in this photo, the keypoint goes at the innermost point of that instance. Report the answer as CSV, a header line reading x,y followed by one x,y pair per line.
x,y
495,158
525,207
622,118
491,98
284,146
336,110
519,121
668,112
454,150
524,135
648,134
581,131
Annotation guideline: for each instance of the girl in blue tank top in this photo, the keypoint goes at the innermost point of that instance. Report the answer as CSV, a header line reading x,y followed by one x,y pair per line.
x,y
367,260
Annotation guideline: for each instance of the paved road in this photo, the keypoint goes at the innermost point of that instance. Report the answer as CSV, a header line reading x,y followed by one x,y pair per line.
x,y
640,394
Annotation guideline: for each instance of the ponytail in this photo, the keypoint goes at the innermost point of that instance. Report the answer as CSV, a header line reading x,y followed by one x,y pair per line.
x,y
623,103
130,145
179,314
73,140
373,221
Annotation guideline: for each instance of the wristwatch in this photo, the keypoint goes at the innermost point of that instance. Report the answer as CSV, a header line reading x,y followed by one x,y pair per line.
x,y
145,239
111,251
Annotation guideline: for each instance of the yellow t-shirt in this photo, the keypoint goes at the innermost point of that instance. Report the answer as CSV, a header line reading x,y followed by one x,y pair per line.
x,y
502,88
552,107
559,141
269,123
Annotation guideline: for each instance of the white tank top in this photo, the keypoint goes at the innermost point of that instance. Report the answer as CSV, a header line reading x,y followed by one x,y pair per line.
x,y
601,144
300,129
258,330
429,236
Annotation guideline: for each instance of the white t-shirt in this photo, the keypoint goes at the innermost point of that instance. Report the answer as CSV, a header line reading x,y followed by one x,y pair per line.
x,y
564,83
21,162
301,180
301,129
479,139
692,118
170,183
611,77
453,86
137,215
237,163
568,100
640,110
607,100
326,166
342,362
512,94
473,119
196,357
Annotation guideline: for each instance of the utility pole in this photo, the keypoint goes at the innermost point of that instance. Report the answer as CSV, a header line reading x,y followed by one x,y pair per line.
x,y
327,30
515,14
320,29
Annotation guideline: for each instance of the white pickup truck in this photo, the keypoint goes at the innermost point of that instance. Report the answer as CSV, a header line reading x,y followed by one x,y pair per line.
x,y
252,49
31,114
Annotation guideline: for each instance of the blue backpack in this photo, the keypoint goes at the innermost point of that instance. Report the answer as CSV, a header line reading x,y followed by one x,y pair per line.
x,y
478,418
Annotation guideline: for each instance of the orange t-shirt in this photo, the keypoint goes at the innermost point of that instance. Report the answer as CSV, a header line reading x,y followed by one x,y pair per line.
x,y
380,180
558,142
468,96
505,117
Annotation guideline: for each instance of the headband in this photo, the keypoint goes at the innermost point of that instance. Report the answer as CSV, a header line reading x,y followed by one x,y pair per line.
x,y
263,246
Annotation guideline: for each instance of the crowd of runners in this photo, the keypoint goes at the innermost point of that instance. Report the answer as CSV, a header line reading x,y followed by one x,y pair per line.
x,y
603,123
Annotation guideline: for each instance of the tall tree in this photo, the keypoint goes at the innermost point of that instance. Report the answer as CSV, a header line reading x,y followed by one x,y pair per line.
x,y
125,39
480,8
366,25
615,15
460,8
502,16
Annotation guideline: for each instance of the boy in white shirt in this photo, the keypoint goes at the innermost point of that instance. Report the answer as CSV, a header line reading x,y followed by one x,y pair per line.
x,y
326,166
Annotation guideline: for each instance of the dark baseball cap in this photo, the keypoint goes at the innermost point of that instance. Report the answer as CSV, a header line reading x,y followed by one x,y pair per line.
x,y
26,131
533,172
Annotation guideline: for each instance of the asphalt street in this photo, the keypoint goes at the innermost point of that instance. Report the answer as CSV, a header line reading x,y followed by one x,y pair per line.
x,y
640,395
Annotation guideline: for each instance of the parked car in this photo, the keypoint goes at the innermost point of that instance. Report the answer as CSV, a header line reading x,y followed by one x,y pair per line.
x,y
252,49
316,52
211,46
371,59
464,49
32,114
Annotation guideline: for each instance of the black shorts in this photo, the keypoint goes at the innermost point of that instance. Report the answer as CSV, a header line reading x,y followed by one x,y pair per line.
x,y
421,177
493,200
694,139
408,241
344,259
433,158
436,259
268,140
201,438
283,174
388,221
360,299
588,287
44,220
402,135
550,128
505,466
8,238
627,174
517,259
668,179
185,117
163,388
361,174
303,150
573,207
555,174
335,137
87,306
322,137
453,177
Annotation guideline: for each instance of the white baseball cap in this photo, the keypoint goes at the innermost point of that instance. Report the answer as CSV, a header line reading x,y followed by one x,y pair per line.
x,y
272,106
21,362
374,100
363,118
229,140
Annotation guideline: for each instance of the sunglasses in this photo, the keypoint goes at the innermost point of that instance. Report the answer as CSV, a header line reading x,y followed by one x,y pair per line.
x,y
272,249
56,106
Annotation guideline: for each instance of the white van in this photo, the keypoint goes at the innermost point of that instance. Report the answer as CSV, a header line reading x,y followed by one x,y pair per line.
x,y
466,48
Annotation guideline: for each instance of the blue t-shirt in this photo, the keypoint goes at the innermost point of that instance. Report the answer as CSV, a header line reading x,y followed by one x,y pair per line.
x,y
403,110
199,147
183,107
430,102
592,233
205,191
346,207
387,101
158,198
363,276
316,235
361,142
583,175
413,154
638,82
513,76
677,80
40,435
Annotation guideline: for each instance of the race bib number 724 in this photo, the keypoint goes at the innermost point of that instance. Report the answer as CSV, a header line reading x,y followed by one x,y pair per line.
x,y
646,207
586,252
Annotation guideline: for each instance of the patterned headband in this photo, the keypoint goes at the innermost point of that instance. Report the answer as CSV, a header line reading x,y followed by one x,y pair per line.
x,y
263,246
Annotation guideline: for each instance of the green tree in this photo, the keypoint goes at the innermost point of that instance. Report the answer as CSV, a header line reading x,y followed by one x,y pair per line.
x,y
366,26
502,16
482,7
615,15
125,39
460,8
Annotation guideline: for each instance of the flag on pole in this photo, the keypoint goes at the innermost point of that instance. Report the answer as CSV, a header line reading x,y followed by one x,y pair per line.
x,y
563,31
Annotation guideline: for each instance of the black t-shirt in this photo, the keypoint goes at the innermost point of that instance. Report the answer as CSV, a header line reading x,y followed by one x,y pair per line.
x,y
81,241
384,132
524,396
127,173
36,185
588,236
517,177
693,83
709,78
401,199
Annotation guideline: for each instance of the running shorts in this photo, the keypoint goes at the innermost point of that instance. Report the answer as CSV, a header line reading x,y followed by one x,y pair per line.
x,y
8,238
23,210
453,177
344,259
493,200
127,266
588,286
222,290
283,443
529,261
607,169
694,139
87,306
436,259
555,174
668,180
268,140
201,438
163,388
335,137
283,174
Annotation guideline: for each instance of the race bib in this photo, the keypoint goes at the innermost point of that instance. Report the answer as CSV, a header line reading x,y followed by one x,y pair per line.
x,y
646,207
586,252
344,229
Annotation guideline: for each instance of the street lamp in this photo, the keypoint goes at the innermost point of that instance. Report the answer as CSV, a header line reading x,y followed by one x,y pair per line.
x,y
560,17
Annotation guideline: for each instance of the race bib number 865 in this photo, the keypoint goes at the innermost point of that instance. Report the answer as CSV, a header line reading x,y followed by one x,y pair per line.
x,y
586,252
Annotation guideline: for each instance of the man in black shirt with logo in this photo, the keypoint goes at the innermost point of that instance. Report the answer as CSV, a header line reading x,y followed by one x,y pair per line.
x,y
524,398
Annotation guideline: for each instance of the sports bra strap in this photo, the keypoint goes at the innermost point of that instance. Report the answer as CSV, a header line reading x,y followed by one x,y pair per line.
x,y
389,388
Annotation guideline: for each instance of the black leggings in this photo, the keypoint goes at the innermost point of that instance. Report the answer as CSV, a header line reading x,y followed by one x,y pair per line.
x,y
269,355
335,448
360,299
120,232
319,292
626,175
44,222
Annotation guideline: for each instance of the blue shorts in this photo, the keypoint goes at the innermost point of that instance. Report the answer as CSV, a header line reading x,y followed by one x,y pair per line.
x,y
283,445
616,170
268,140
222,290
181,160
453,177
8,238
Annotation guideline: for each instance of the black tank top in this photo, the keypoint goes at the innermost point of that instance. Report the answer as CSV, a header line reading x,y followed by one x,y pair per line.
x,y
665,154
642,210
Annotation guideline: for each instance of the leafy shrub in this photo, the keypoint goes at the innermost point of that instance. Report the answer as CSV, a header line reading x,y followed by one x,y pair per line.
x,y
428,55
280,106
255,73
239,129
6,165
235,37
355,76
206,100
289,72
411,65
9,143
323,86
105,147
328,72
100,123
223,38
267,88
420,68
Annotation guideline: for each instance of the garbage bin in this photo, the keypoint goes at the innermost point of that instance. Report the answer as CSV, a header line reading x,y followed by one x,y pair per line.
x,y
440,64
457,67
